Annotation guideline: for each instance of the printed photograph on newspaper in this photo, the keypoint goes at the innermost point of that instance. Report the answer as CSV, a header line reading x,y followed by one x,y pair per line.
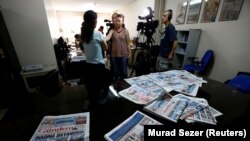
x,y
167,107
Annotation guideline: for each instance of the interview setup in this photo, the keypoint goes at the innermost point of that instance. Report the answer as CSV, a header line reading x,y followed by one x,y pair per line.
x,y
181,97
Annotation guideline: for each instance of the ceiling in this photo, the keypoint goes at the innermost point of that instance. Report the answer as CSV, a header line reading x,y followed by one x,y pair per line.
x,y
101,6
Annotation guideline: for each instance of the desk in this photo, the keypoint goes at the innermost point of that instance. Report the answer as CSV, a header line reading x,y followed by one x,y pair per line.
x,y
103,118
34,74
75,63
233,104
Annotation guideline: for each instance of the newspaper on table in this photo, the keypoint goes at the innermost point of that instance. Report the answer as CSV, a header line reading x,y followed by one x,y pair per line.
x,y
192,107
145,83
207,115
131,129
138,95
173,108
191,90
177,80
167,107
63,127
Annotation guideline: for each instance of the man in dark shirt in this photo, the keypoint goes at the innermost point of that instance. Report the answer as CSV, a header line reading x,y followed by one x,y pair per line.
x,y
168,43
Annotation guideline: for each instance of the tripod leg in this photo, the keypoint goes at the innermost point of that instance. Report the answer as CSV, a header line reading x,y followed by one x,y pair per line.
x,y
132,71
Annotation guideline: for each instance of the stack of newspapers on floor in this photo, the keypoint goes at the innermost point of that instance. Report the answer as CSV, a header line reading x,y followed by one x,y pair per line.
x,y
63,128
153,91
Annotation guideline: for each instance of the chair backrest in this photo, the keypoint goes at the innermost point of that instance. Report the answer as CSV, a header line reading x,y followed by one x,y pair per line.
x,y
49,85
207,57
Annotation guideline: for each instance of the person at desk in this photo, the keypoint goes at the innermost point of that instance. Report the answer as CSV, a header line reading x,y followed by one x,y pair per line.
x,y
78,42
97,77
61,51
101,29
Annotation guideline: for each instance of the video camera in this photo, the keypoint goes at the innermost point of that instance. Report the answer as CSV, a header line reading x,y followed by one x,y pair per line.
x,y
148,28
108,23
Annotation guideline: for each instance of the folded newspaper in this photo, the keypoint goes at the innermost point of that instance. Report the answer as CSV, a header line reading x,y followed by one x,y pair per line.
x,y
175,107
206,115
167,107
63,127
131,129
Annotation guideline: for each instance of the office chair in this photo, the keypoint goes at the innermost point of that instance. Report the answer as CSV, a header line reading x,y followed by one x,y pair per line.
x,y
241,82
197,66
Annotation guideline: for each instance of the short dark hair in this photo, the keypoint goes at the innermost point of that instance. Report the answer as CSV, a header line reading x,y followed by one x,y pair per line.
x,y
170,14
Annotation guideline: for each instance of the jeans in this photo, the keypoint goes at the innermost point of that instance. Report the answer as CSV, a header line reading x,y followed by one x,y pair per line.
x,y
120,67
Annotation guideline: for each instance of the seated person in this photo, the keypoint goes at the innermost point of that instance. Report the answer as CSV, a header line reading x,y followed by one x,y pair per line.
x,y
61,51
101,29
78,42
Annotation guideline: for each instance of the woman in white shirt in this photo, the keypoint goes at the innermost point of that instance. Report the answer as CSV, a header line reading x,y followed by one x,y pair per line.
x,y
97,77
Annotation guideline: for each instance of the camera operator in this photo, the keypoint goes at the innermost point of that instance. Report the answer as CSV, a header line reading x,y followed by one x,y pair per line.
x,y
168,43
120,50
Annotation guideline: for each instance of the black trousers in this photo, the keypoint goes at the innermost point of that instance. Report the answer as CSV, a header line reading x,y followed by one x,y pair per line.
x,y
97,81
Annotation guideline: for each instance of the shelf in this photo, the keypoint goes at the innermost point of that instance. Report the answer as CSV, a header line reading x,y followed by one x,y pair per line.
x,y
181,53
188,41
182,42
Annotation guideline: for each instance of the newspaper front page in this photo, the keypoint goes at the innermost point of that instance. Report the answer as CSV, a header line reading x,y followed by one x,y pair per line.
x,y
138,95
63,127
192,107
206,115
168,107
132,129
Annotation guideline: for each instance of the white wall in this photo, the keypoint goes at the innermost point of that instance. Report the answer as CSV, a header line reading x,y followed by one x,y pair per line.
x,y
52,20
228,39
131,13
70,22
28,27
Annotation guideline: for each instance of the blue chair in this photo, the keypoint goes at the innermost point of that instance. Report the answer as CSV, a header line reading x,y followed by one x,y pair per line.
x,y
241,82
200,66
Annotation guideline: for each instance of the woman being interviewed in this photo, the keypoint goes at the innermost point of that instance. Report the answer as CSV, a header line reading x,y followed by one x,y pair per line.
x,y
97,77
120,51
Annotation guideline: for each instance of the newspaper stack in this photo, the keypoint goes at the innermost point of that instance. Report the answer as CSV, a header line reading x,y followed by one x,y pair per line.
x,y
63,127
150,90
131,129
174,80
182,107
